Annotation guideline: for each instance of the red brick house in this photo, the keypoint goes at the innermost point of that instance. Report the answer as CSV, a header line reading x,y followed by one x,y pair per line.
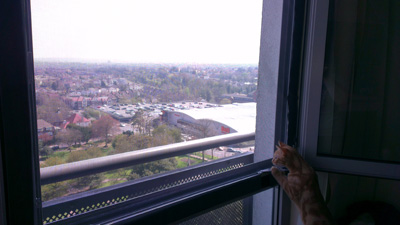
x,y
45,130
76,119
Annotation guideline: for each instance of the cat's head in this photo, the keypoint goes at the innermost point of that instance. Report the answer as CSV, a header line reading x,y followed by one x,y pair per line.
x,y
282,155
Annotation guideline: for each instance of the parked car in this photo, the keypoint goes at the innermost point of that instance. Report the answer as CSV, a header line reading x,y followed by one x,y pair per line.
x,y
230,150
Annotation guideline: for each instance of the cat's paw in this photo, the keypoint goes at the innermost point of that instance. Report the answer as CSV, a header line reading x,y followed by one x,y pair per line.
x,y
280,168
279,176
274,170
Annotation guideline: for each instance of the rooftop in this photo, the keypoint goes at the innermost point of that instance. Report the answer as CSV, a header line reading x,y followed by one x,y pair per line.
x,y
43,124
239,116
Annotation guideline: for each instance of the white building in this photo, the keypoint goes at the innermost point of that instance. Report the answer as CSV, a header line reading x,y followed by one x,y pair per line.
x,y
215,121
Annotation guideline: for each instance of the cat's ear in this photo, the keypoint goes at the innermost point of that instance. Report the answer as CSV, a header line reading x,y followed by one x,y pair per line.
x,y
282,145
288,147
283,149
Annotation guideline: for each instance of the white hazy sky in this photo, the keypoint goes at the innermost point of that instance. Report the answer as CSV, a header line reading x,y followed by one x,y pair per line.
x,y
159,31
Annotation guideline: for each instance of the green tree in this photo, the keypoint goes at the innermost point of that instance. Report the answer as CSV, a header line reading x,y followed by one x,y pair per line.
x,y
69,136
94,152
77,156
44,150
148,169
168,135
84,132
89,112
54,190
142,122
104,127
123,143
51,108
57,189
52,161
116,138
91,181
142,141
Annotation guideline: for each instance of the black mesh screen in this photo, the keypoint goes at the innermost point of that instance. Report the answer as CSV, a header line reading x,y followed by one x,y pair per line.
x,y
236,213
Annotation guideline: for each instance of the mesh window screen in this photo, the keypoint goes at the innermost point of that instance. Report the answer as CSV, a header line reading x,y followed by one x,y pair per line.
x,y
236,213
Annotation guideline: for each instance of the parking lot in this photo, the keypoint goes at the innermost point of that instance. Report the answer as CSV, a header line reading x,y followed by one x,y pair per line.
x,y
125,112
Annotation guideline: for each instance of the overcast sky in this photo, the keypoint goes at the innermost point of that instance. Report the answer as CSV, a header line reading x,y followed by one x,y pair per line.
x,y
159,31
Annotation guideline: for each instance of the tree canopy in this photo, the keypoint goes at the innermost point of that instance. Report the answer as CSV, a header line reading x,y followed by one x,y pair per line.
x,y
104,127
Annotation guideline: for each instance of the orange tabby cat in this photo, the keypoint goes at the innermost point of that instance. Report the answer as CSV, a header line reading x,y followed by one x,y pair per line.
x,y
301,185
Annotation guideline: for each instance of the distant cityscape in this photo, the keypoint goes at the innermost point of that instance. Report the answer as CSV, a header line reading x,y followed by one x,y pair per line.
x,y
64,87
89,110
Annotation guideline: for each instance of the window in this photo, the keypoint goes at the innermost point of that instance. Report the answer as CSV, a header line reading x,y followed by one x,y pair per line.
x,y
350,89
131,75
21,158
165,72
358,93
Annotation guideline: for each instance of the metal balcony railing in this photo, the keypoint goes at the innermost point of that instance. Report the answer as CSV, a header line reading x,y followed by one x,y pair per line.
x,y
67,171
75,207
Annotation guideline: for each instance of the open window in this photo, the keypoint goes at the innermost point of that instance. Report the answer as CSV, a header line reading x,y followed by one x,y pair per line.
x,y
157,199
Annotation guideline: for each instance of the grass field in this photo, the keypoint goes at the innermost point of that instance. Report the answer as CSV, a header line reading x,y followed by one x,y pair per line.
x,y
183,161
205,155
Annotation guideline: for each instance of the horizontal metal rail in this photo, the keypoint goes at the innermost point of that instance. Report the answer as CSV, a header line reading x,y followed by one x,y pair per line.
x,y
102,164
188,199
99,198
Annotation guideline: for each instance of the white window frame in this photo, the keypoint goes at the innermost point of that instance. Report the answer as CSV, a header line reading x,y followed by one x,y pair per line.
x,y
311,102
267,103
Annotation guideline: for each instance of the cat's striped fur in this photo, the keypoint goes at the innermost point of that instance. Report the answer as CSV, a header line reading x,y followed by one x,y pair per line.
x,y
301,185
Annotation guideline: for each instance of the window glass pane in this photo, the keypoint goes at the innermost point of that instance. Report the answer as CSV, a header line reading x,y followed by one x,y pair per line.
x,y
360,94
119,76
